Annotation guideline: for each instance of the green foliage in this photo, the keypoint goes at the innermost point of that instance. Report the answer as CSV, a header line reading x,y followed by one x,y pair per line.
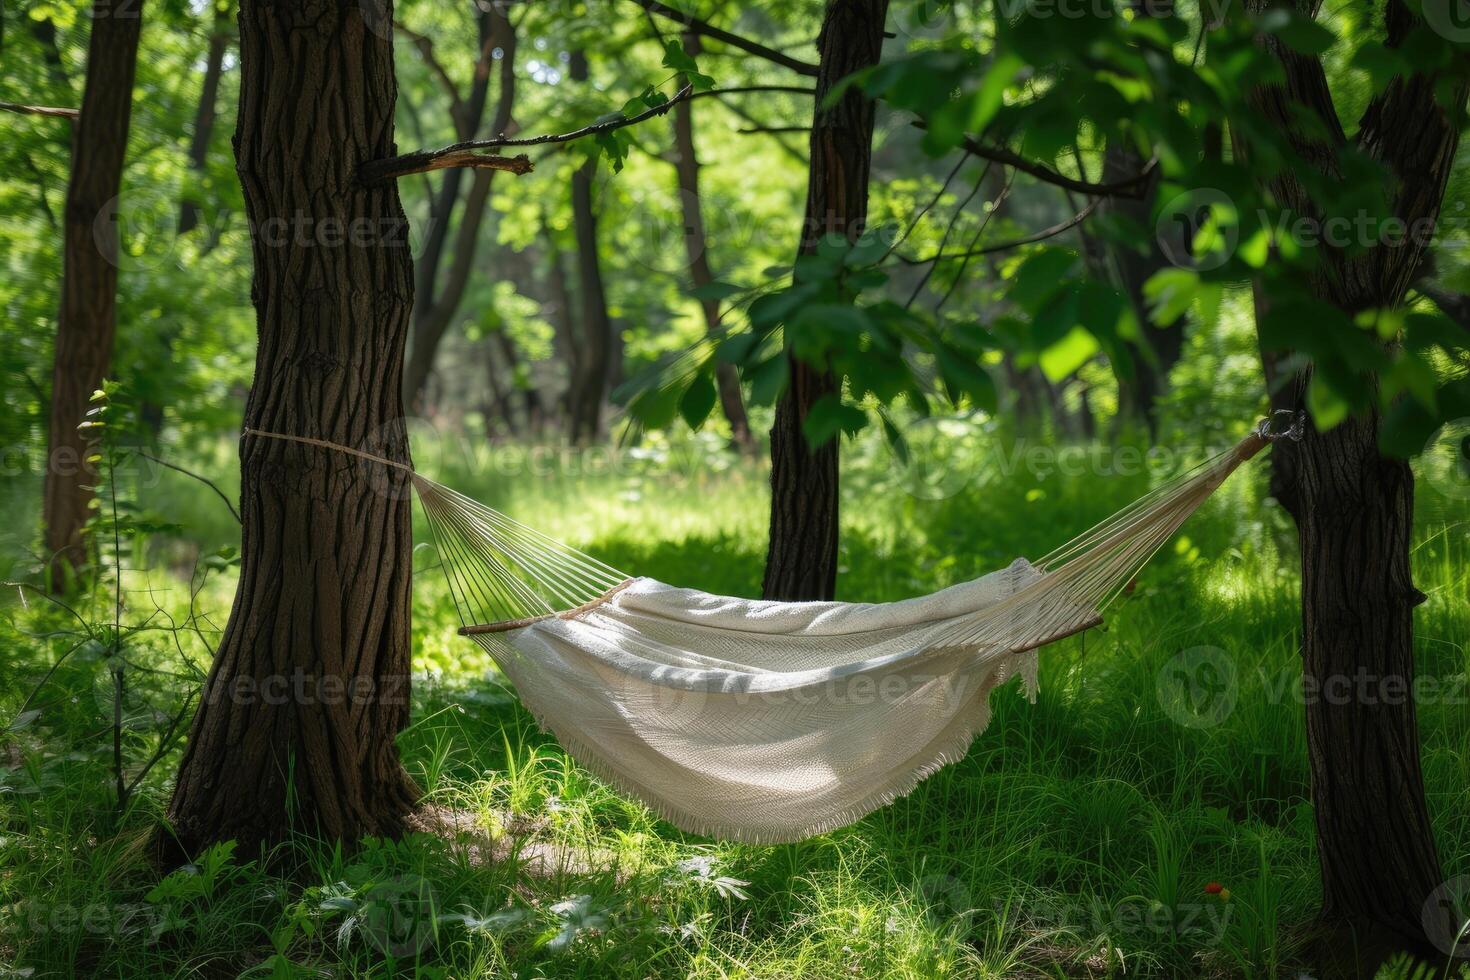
x,y
1159,84
1081,830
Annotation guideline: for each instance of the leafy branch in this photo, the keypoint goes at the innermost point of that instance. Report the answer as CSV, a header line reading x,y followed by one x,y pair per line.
x,y
464,154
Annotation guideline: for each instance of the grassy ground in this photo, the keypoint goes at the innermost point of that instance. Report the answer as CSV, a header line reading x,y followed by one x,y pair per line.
x,y
1076,839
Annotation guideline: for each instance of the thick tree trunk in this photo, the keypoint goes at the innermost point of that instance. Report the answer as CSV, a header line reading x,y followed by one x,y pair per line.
x,y
435,309
589,388
1354,508
205,114
686,164
1354,515
87,318
801,561
309,687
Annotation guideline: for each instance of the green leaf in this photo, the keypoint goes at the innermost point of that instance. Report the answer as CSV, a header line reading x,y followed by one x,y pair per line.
x,y
656,408
1170,293
24,719
677,58
614,145
963,376
1382,63
1065,356
1328,408
737,348
768,379
1040,276
896,442
699,399
716,291
830,416
1299,32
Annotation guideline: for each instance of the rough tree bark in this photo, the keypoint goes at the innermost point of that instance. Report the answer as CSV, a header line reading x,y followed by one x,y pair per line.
x,y
435,309
686,164
309,686
801,560
87,318
1354,507
589,387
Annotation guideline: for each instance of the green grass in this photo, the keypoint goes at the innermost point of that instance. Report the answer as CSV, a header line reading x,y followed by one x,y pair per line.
x,y
1076,839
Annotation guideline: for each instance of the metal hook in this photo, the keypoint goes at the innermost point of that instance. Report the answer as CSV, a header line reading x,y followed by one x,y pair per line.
x,y
1284,423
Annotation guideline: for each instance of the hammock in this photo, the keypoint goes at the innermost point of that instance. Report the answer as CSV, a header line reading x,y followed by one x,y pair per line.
x,y
763,721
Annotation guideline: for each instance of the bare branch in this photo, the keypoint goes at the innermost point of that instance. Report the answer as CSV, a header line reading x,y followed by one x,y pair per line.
x,y
1132,186
461,155
734,40
426,51
39,110
748,89
202,479
440,160
1039,236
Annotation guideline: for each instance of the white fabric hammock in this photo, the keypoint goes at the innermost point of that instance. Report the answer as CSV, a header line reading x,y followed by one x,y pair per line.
x,y
773,721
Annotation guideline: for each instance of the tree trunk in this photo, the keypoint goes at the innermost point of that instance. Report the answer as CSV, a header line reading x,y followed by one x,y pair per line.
x,y
309,687
563,321
686,164
1159,348
430,328
44,31
1354,515
801,562
87,318
435,311
589,388
205,114
1354,507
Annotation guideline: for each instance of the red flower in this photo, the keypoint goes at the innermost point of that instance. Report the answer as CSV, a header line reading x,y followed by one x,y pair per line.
x,y
1213,888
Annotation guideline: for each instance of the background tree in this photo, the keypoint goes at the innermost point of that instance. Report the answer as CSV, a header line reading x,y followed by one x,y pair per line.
x,y
595,358
87,319
801,562
437,302
696,243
